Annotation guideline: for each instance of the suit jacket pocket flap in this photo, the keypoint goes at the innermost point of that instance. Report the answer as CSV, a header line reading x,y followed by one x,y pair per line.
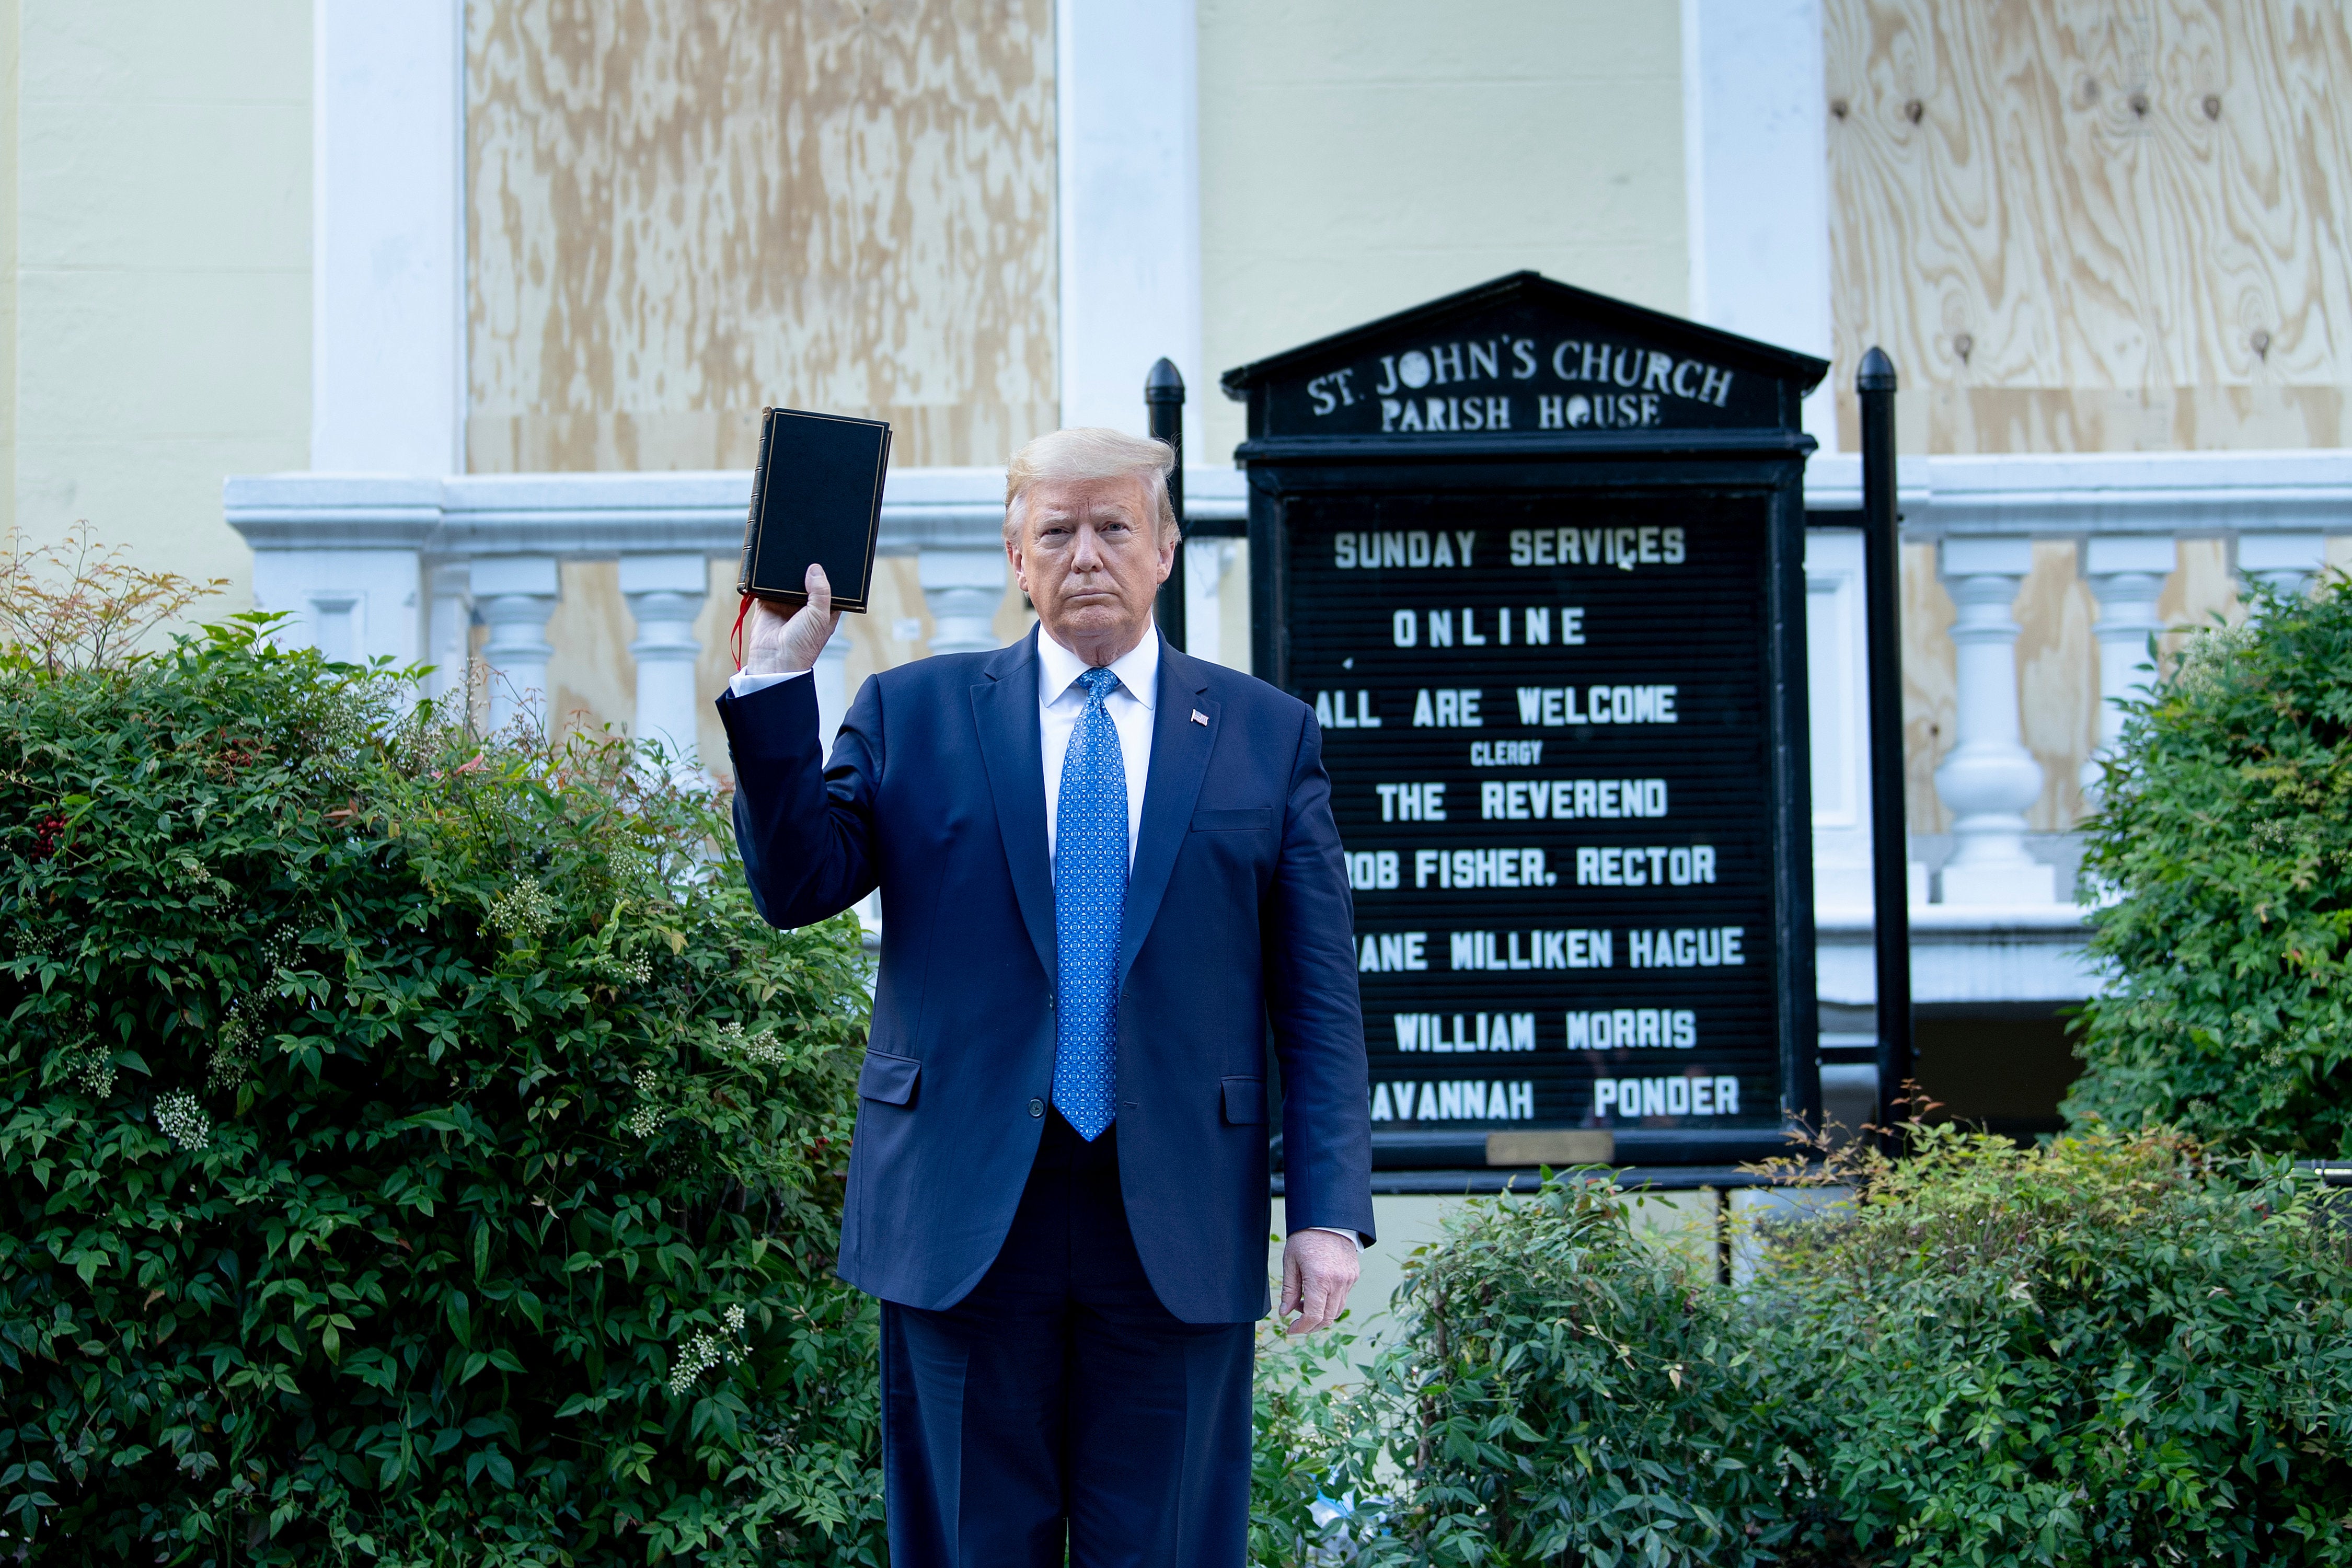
x,y
1245,1101
889,1079
1249,819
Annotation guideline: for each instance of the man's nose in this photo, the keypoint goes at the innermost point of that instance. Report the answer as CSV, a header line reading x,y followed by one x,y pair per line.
x,y
1087,556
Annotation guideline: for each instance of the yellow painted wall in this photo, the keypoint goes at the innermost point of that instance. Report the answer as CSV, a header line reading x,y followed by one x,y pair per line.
x,y
160,291
1357,158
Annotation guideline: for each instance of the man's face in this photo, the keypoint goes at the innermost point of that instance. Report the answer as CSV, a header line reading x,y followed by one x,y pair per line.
x,y
1089,557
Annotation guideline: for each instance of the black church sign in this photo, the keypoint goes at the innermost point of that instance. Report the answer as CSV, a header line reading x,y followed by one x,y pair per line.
x,y
1535,557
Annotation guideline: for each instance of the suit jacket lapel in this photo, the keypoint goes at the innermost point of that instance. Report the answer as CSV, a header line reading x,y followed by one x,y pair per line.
x,y
1005,708
1180,760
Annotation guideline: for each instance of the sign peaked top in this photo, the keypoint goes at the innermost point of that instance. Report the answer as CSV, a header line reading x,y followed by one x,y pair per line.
x,y
1524,356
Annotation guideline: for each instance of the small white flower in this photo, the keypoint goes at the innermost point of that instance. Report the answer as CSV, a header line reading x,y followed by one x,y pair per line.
x,y
735,1320
182,1121
647,1121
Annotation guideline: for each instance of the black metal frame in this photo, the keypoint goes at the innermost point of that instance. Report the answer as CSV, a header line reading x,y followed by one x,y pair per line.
x,y
1766,465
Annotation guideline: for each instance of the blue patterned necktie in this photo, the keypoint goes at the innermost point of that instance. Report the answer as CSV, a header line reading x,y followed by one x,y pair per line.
x,y
1090,900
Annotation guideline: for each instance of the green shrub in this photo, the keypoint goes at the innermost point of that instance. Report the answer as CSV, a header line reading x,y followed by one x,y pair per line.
x,y
2105,1352
412,1150
2226,833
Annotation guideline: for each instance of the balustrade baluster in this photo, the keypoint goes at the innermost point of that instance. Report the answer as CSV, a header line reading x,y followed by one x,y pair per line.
x,y
1989,779
516,595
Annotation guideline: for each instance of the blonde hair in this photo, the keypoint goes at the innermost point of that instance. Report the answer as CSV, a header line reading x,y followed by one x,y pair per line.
x,y
1092,453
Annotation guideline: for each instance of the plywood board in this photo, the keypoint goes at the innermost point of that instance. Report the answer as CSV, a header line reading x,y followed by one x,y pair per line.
x,y
2094,224
679,211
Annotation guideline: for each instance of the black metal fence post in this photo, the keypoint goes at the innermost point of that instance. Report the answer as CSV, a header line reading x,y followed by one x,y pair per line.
x,y
1882,533
1163,409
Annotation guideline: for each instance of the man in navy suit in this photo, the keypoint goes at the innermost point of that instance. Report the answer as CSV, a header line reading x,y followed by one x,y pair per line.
x,y
1110,876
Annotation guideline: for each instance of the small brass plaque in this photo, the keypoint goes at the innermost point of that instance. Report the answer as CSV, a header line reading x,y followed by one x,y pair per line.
x,y
1556,1149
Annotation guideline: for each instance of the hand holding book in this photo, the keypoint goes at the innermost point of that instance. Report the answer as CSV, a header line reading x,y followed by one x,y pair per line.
x,y
778,644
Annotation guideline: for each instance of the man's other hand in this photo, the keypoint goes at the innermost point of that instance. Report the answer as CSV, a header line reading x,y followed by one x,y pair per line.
x,y
775,644
1319,1269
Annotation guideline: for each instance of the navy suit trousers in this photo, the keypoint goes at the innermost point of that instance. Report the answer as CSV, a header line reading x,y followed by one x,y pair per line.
x,y
1059,1408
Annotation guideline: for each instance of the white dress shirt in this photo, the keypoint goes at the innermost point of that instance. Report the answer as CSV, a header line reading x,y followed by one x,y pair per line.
x,y
1060,700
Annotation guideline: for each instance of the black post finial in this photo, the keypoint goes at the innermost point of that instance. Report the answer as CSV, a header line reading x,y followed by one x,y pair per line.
x,y
1877,374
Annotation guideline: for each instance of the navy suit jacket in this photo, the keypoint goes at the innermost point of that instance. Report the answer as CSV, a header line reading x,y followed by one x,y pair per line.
x,y
1238,921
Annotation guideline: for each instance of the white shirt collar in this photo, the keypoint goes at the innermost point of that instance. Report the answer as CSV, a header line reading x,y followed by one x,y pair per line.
x,y
1138,668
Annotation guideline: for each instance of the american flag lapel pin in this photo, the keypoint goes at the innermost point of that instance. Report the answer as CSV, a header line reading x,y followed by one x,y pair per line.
x,y
1200,718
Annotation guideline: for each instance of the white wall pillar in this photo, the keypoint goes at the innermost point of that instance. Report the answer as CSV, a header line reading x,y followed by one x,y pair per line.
x,y
1838,696
963,588
1128,107
2125,573
1989,779
665,594
448,627
515,594
2286,562
1756,178
1205,561
387,284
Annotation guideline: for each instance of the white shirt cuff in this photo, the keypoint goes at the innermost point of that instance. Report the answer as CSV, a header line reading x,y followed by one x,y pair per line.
x,y
745,683
1335,1230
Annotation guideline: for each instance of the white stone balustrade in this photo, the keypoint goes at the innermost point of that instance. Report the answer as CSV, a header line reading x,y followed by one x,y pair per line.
x,y
2125,573
380,565
963,589
1988,779
370,565
664,592
515,594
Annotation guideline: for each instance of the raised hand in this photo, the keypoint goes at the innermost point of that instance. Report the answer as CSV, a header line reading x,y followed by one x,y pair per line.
x,y
777,645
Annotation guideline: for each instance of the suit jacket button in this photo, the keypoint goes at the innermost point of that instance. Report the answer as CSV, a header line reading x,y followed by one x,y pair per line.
x,y
1036,1108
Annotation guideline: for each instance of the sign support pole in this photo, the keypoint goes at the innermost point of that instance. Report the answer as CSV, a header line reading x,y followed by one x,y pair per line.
x,y
1163,409
1890,854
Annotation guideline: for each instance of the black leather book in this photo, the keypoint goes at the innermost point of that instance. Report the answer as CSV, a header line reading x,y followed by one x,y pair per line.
x,y
816,497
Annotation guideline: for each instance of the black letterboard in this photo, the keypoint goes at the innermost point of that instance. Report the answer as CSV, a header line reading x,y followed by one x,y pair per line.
x,y
1535,557
1544,728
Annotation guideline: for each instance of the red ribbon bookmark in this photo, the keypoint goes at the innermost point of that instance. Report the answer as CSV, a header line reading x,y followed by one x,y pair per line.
x,y
735,638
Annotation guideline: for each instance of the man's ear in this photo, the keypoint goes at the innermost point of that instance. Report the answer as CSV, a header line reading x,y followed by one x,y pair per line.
x,y
1012,554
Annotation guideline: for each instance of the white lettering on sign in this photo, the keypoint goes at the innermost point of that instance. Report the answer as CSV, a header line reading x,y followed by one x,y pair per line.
x,y
1633,1029
1562,799
1705,947
1625,411
1407,548
1331,711
1627,549
1545,949
1447,707
1373,870
1444,363
1558,705
1464,870
1531,627
1333,391
1646,370
1395,952
1454,414
1411,801
1473,1101
1659,865
1692,1096
1506,753
1487,1032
